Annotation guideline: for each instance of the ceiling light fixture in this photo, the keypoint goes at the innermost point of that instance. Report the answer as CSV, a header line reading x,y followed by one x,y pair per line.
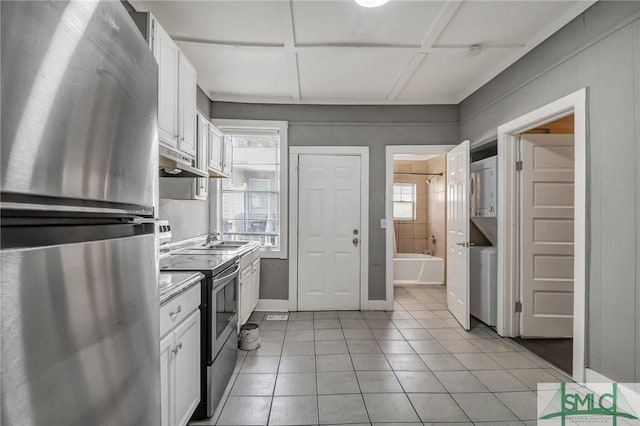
x,y
371,3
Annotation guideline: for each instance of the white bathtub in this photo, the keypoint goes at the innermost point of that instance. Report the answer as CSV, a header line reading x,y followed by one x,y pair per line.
x,y
411,268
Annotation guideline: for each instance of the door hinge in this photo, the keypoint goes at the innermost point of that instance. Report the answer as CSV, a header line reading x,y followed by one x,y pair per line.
x,y
519,165
518,306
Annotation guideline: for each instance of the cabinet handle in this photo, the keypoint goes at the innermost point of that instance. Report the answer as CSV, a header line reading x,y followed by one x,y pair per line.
x,y
177,348
176,312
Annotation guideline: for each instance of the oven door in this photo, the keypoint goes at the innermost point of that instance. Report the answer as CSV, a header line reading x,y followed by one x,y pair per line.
x,y
223,300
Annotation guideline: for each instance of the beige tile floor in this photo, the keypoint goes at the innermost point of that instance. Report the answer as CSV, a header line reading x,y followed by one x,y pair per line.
x,y
412,366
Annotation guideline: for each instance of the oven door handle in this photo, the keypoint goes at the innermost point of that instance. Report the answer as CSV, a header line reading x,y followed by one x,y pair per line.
x,y
218,281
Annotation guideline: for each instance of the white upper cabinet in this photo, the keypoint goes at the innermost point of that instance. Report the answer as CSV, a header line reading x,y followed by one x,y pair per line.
x,y
215,149
227,163
187,106
202,160
167,54
177,87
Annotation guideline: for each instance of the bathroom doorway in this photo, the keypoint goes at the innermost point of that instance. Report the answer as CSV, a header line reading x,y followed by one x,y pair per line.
x,y
416,216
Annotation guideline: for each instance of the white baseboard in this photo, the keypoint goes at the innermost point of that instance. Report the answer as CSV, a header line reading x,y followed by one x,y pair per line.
x,y
278,305
595,377
272,305
592,376
379,305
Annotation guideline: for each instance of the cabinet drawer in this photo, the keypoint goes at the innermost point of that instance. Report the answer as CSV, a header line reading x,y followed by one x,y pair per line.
x,y
176,310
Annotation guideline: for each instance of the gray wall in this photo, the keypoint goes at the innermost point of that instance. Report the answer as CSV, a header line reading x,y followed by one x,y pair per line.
x,y
189,218
372,126
599,50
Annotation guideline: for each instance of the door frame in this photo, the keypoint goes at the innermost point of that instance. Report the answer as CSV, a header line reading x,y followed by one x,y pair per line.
x,y
294,155
392,150
508,226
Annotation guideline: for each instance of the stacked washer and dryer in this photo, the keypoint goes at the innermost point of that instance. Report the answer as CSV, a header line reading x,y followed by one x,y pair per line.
x,y
484,258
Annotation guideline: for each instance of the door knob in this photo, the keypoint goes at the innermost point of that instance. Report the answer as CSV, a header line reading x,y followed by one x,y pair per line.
x,y
355,242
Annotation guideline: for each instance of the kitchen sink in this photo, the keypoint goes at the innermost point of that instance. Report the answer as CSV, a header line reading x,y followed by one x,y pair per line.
x,y
230,243
222,245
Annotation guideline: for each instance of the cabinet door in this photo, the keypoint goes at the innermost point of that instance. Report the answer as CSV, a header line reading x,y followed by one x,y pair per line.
x,y
245,295
255,284
166,380
167,54
202,188
202,158
187,107
227,164
215,149
187,368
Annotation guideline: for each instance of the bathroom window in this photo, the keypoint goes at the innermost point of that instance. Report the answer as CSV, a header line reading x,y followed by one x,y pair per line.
x,y
404,201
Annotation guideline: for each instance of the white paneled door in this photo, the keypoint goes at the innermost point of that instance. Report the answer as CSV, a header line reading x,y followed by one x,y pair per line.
x,y
458,165
547,235
329,232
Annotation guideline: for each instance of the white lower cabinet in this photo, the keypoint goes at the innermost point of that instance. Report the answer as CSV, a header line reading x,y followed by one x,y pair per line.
x,y
180,366
166,379
245,294
187,367
249,285
255,283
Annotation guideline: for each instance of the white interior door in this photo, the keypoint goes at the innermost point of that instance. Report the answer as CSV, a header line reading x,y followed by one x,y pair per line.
x,y
547,235
458,170
329,232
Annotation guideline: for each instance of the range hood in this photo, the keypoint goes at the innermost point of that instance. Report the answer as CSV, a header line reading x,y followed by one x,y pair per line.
x,y
175,164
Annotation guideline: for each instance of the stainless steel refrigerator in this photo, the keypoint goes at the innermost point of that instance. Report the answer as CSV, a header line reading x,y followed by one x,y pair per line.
x,y
79,293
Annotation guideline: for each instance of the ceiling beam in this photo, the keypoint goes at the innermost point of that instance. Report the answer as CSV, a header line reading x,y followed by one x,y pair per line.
x,y
445,16
407,73
443,19
288,34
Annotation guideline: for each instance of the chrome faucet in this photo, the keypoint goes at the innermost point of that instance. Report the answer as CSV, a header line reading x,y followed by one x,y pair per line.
x,y
214,236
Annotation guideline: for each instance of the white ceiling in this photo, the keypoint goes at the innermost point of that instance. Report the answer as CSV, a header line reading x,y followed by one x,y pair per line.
x,y
336,52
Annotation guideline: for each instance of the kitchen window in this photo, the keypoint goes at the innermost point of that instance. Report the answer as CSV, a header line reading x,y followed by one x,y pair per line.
x,y
404,201
253,202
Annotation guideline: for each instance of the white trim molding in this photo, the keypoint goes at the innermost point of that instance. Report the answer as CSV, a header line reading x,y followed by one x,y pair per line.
x,y
392,150
282,129
363,153
379,305
508,234
272,305
592,376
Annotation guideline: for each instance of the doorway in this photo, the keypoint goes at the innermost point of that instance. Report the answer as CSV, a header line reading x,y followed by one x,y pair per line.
x,y
328,269
415,217
542,231
546,240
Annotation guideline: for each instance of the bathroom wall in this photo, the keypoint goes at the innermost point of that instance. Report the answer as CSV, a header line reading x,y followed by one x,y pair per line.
x,y
436,208
411,235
